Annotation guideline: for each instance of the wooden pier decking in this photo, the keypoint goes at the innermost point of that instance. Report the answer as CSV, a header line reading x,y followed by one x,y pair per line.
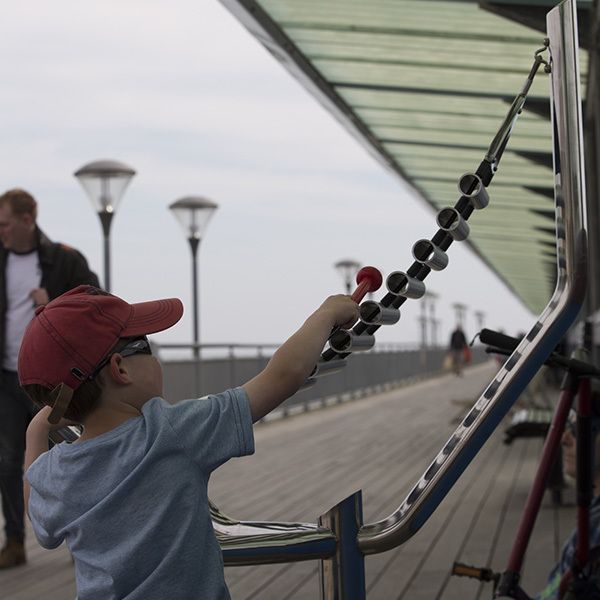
x,y
381,444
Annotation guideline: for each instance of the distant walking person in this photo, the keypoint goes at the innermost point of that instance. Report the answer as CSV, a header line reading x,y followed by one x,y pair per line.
x,y
33,270
458,344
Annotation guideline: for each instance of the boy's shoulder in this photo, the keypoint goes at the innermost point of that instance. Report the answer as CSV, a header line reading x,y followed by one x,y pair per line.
x,y
234,395
213,428
159,410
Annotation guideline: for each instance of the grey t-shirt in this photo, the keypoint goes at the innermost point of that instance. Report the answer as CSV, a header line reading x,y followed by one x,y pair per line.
x,y
132,503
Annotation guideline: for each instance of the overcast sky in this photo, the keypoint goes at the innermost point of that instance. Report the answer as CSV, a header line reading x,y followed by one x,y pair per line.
x,y
182,93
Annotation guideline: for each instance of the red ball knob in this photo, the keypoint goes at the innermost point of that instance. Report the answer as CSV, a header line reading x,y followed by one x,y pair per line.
x,y
369,279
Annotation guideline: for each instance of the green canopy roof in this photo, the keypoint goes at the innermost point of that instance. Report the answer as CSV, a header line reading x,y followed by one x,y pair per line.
x,y
425,85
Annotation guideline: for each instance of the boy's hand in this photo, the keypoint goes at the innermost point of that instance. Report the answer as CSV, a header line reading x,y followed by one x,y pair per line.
x,y
40,421
39,296
343,309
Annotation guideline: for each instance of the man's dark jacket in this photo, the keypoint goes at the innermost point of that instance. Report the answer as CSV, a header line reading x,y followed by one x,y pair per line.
x,y
63,268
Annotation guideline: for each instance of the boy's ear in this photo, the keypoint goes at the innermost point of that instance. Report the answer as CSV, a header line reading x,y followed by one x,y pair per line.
x,y
117,370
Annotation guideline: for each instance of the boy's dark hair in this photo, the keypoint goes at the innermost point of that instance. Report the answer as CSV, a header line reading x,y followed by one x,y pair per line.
x,y
85,398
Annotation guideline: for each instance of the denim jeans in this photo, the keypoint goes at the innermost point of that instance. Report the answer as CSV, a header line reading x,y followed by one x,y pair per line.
x,y
16,410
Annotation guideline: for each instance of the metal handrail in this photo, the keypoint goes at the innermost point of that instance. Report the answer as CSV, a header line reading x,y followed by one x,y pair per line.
x,y
393,346
271,542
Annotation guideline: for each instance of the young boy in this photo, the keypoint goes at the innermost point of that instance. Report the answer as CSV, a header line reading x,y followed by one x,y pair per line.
x,y
130,496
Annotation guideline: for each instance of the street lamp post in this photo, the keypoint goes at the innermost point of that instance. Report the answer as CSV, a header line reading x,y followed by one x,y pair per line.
x,y
480,317
348,269
194,213
423,321
431,297
460,310
105,182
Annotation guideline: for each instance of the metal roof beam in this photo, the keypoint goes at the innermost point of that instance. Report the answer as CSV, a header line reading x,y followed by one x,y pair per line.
x,y
399,31
440,112
538,106
452,146
547,191
550,230
539,158
459,92
547,214
533,14
422,64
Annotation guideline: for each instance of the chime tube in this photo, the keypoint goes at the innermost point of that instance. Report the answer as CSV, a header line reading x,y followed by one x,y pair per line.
x,y
374,313
346,341
329,367
471,186
401,284
308,383
452,222
427,253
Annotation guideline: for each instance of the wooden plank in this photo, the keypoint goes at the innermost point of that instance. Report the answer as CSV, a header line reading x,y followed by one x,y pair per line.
x,y
416,569
45,572
468,520
477,548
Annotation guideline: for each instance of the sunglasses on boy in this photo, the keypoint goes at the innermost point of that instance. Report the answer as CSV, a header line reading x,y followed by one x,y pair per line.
x,y
138,346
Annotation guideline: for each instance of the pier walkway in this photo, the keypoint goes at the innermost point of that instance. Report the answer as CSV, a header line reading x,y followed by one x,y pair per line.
x,y
381,444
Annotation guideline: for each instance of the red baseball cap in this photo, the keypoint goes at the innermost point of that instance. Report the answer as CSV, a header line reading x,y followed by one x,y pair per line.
x,y
71,335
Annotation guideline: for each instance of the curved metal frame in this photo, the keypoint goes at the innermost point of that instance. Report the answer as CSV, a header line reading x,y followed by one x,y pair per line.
x,y
552,324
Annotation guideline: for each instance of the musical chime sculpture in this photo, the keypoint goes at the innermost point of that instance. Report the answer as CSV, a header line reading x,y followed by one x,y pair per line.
x,y
429,254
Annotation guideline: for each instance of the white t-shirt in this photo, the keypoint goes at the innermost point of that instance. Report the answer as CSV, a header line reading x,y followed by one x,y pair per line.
x,y
23,274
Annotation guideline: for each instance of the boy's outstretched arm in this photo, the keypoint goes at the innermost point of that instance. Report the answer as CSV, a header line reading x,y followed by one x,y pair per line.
x,y
293,362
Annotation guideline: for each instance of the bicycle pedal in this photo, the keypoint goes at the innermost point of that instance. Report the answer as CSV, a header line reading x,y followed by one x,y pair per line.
x,y
480,573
